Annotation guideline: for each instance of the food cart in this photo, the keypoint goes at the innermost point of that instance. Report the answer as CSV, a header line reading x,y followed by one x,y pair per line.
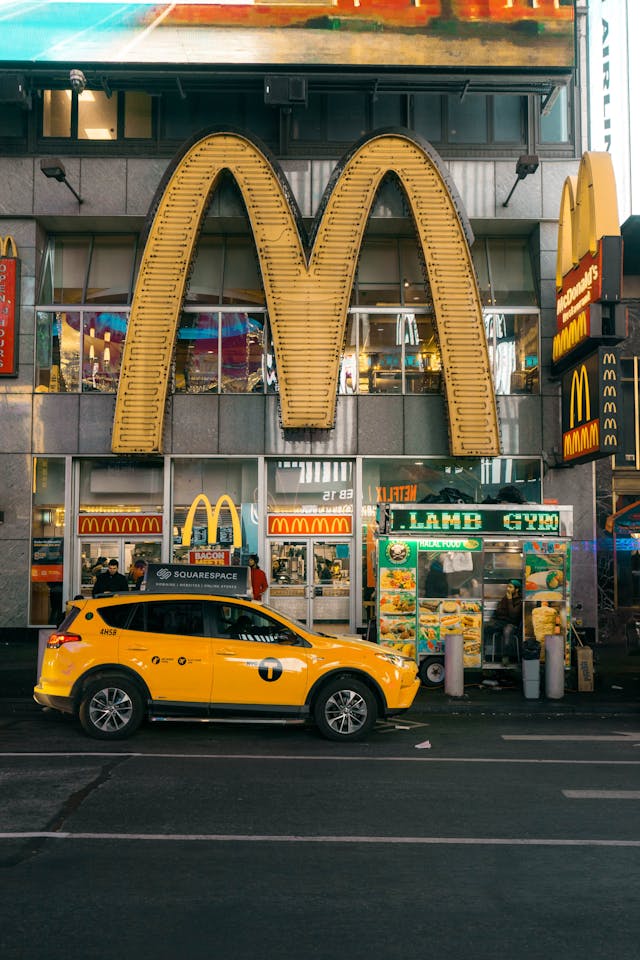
x,y
442,569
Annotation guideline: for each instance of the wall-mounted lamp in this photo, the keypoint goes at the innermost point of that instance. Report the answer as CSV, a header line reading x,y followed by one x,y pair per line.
x,y
527,163
54,169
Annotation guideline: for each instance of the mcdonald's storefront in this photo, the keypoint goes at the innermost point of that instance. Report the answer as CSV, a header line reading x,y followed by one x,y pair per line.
x,y
266,317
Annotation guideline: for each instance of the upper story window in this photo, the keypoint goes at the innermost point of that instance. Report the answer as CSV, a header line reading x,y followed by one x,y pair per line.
x,y
96,115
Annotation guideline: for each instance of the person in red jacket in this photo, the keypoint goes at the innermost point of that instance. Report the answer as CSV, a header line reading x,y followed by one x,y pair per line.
x,y
258,577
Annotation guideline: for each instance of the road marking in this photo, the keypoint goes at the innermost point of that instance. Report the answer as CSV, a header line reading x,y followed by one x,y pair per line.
x,y
319,758
279,838
602,794
576,738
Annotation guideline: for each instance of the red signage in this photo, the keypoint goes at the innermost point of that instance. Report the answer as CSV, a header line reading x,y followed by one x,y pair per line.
x,y
119,523
9,293
215,558
41,573
314,524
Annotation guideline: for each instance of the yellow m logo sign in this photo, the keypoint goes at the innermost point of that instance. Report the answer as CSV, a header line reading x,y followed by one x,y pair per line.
x,y
8,247
588,212
213,516
579,391
307,292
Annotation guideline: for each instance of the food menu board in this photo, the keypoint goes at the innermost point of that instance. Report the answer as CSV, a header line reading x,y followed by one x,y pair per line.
x,y
418,626
546,592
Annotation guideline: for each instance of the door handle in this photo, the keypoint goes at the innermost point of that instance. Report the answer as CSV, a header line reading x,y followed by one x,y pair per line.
x,y
225,653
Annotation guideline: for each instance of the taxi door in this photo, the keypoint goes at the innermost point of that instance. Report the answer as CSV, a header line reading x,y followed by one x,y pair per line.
x,y
165,643
249,666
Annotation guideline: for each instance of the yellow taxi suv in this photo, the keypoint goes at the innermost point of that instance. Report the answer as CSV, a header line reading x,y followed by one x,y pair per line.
x,y
117,660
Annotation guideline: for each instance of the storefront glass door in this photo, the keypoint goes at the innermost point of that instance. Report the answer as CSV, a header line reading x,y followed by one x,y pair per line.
x,y
126,552
311,582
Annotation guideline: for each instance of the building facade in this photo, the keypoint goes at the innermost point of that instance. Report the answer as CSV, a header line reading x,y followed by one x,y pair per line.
x,y
240,407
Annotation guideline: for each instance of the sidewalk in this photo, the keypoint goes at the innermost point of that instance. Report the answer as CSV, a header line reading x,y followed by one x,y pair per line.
x,y
617,689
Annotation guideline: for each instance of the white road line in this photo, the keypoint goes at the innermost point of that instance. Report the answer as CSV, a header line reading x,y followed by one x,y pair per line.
x,y
319,758
283,838
602,794
577,738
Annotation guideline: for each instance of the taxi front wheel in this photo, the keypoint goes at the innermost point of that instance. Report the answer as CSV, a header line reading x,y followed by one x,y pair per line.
x,y
345,710
111,708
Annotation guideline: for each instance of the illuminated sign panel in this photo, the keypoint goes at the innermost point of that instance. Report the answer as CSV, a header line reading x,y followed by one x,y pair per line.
x,y
475,520
315,32
591,413
213,519
119,524
9,298
589,265
314,524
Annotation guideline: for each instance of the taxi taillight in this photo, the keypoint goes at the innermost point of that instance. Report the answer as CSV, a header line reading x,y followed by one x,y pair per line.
x,y
57,639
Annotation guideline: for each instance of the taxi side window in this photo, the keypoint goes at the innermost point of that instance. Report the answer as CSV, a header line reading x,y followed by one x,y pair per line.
x,y
242,623
117,616
169,616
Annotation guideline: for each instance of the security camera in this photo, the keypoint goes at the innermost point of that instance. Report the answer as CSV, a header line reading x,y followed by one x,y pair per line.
x,y
77,80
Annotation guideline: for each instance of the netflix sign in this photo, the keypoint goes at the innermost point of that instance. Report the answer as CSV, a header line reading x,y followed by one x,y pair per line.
x,y
9,296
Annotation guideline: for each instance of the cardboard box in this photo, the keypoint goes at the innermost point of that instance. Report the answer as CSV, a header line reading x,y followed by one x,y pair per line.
x,y
584,656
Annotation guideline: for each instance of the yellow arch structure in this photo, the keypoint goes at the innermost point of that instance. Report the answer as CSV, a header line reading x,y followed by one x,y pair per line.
x,y
213,516
588,211
307,299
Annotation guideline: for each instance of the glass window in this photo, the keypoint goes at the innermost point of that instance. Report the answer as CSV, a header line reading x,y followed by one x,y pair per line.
x,y
243,623
47,540
481,264
196,357
111,270
110,485
271,373
380,358
103,336
507,118
348,378
307,124
205,280
378,276
118,616
242,345
467,119
511,271
554,126
183,617
513,341
298,485
209,535
56,113
346,116
242,280
427,115
13,121
97,116
57,351
70,262
389,110
422,360
137,115
415,286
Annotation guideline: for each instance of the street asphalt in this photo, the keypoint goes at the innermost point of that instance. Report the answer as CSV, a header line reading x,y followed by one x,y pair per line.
x,y
616,688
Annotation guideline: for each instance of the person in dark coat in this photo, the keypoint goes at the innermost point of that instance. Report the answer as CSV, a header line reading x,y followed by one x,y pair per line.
x,y
110,581
436,584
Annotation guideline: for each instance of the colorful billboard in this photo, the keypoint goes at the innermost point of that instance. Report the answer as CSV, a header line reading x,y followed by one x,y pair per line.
x,y
401,33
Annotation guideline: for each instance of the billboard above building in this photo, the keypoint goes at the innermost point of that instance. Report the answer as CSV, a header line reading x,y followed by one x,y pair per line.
x,y
512,34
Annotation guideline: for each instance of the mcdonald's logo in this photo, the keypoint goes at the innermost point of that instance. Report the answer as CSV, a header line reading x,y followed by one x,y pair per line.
x,y
579,393
307,291
610,407
213,517
8,247
609,391
588,212
119,524
307,525
610,423
609,358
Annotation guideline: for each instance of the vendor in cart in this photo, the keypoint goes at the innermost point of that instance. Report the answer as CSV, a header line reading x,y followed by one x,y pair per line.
x,y
508,616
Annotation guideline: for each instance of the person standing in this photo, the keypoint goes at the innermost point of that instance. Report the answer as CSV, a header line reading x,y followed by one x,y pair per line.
x,y
258,577
110,581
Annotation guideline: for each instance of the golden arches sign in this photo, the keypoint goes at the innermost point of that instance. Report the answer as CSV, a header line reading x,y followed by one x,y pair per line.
x,y
213,516
588,212
307,295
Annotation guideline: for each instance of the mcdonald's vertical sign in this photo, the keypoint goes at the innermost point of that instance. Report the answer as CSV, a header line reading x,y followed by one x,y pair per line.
x,y
591,407
9,305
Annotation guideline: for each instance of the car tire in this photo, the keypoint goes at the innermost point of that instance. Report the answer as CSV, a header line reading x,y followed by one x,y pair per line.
x,y
345,709
111,708
431,672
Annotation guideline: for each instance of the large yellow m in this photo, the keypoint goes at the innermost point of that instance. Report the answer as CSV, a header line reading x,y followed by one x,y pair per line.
x,y
307,296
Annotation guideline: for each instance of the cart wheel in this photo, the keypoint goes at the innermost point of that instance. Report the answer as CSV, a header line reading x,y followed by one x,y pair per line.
x,y
431,672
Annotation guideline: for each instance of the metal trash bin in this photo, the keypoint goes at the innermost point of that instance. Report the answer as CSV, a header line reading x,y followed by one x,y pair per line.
x,y
531,669
554,666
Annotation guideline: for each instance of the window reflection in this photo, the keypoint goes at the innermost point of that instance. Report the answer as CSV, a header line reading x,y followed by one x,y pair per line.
x,y
103,336
512,340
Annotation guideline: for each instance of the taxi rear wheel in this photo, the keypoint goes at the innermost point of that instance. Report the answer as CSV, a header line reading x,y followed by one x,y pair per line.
x,y
111,708
345,709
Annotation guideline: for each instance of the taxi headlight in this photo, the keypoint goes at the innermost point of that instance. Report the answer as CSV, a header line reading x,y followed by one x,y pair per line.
x,y
393,658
